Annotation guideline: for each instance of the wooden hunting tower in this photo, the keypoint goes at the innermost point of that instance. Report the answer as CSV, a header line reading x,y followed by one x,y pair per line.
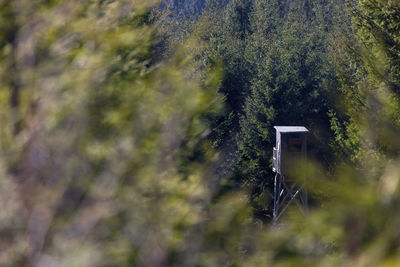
x,y
291,145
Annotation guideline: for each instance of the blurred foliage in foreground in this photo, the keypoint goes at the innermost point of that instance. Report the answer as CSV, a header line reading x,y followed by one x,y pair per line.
x,y
105,161
92,170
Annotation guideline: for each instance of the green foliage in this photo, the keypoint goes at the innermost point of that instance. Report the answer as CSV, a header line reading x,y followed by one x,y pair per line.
x,y
95,136
368,71
289,87
107,151
354,222
277,71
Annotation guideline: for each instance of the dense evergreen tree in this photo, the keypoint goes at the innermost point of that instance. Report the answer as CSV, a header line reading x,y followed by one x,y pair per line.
x,y
370,84
290,87
277,71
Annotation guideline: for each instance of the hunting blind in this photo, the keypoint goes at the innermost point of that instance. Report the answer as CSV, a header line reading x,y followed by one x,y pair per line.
x,y
291,145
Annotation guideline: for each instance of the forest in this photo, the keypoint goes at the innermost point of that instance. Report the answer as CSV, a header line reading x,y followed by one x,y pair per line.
x,y
141,132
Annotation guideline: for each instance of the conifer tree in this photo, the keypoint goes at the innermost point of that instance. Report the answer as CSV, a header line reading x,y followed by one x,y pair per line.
x,y
290,84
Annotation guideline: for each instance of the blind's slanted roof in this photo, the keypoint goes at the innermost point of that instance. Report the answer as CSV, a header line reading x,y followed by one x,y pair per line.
x,y
291,129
